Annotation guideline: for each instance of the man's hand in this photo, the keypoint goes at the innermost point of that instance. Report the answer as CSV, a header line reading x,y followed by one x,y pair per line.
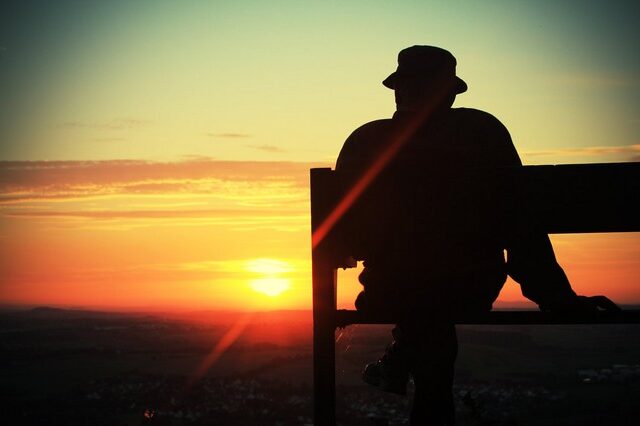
x,y
596,304
590,306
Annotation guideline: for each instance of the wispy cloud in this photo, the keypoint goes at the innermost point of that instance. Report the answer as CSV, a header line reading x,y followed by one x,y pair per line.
x,y
152,214
229,135
596,79
266,148
39,175
115,124
632,151
129,194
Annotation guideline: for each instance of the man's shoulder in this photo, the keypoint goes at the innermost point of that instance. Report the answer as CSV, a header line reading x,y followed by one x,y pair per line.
x,y
373,127
364,142
476,115
480,122
371,133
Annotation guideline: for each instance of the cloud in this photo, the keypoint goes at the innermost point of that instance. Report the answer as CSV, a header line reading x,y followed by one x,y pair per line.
x,y
226,270
227,184
233,219
266,148
156,214
115,124
596,79
123,195
229,135
632,150
27,174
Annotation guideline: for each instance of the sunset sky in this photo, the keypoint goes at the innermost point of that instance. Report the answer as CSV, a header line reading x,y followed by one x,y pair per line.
x,y
155,154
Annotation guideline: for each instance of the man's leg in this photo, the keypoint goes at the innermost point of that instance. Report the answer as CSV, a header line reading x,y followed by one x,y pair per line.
x,y
432,365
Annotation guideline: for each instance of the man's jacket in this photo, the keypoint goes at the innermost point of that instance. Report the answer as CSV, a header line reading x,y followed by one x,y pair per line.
x,y
431,227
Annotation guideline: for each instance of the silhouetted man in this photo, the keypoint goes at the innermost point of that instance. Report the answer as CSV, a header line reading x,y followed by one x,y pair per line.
x,y
429,252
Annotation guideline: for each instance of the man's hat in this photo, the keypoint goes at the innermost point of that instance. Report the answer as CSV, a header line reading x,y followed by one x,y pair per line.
x,y
426,63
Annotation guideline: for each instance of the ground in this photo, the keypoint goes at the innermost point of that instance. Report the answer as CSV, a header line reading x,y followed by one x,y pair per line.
x,y
78,367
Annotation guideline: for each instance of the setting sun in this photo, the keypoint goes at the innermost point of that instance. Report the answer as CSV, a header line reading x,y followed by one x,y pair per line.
x,y
271,287
271,271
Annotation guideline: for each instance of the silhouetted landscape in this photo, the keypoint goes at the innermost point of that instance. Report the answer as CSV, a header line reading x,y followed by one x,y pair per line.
x,y
74,367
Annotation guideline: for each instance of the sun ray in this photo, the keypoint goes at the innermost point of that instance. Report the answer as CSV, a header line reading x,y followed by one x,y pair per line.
x,y
221,347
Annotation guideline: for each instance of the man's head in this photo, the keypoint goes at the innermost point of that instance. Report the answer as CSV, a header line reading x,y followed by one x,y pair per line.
x,y
425,74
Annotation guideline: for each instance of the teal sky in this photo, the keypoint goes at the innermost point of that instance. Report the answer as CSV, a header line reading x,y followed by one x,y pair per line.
x,y
289,80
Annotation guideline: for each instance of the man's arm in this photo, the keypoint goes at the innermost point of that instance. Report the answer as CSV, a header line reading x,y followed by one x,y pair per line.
x,y
532,263
530,257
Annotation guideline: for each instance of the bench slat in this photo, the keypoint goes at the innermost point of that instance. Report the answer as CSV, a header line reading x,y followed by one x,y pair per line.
x,y
345,317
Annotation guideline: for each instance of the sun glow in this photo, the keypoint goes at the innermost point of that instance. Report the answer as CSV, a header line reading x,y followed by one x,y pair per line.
x,y
271,287
272,281
268,266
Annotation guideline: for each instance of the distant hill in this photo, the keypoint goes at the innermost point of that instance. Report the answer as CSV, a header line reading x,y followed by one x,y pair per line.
x,y
48,312
206,317
231,317
290,317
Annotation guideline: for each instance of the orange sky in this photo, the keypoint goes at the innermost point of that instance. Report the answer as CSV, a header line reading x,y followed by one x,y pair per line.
x,y
200,234
138,234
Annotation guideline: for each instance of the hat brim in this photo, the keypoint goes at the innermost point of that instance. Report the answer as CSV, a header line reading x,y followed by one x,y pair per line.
x,y
460,85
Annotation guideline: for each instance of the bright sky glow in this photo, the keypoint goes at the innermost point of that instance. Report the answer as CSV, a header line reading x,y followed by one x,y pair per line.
x,y
268,266
272,287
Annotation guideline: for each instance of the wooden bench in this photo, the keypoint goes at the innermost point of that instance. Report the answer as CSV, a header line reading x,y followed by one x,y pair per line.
x,y
578,198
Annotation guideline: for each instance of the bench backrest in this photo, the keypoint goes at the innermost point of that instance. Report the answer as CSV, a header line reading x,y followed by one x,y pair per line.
x,y
576,198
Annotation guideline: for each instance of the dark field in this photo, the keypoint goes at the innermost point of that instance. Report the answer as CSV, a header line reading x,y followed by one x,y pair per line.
x,y
82,368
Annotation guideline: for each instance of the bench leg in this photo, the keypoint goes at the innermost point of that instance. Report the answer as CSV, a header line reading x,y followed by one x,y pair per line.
x,y
324,342
324,378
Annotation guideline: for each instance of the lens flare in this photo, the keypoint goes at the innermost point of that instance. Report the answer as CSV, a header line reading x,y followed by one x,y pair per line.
x,y
220,348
